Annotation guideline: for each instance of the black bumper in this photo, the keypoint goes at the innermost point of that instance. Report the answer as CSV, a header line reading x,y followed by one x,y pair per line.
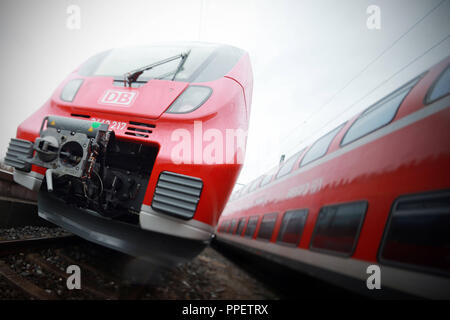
x,y
162,249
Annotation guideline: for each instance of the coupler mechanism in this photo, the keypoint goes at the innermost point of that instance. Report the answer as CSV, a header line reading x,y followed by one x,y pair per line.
x,y
66,147
70,147
87,166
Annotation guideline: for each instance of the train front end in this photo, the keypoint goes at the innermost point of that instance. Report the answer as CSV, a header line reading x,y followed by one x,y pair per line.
x,y
139,148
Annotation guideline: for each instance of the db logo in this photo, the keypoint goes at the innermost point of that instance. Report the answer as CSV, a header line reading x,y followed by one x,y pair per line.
x,y
118,98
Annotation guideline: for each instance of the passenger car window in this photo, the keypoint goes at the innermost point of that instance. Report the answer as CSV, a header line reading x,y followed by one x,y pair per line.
x,y
224,226
418,232
441,87
288,165
267,225
228,226
320,147
255,185
237,194
251,226
233,224
378,115
240,226
266,179
337,227
292,226
246,188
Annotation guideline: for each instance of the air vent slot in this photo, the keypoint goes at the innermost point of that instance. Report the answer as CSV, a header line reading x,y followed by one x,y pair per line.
x,y
80,115
139,129
177,194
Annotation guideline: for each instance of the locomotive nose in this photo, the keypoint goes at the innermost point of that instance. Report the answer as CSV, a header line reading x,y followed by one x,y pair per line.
x,y
104,95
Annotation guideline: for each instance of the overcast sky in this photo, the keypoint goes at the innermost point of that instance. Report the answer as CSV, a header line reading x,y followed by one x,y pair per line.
x,y
303,53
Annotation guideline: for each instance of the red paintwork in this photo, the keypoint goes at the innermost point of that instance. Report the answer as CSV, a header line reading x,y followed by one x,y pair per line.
x,y
414,159
227,108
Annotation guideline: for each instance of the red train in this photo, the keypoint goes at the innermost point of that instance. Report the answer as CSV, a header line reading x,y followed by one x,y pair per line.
x,y
373,191
126,152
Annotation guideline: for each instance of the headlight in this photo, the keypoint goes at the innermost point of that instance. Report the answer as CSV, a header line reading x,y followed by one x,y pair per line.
x,y
192,98
70,90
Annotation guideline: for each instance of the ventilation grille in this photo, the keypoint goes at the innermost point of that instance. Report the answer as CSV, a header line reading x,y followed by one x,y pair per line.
x,y
177,194
18,152
139,129
80,115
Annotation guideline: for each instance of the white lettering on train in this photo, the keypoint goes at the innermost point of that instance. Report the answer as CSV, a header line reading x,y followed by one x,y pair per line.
x,y
118,97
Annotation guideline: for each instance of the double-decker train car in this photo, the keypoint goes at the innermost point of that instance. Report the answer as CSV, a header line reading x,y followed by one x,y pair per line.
x,y
121,153
367,205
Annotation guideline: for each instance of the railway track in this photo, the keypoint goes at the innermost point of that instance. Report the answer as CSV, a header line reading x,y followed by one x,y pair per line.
x,y
27,244
14,278
37,268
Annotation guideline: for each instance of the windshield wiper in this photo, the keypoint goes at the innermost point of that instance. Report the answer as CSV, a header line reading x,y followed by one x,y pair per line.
x,y
176,71
132,76
181,64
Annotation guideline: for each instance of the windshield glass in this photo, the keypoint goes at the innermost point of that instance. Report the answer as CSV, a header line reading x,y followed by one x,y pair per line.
x,y
206,62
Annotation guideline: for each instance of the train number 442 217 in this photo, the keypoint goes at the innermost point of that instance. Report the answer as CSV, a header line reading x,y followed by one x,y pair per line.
x,y
118,125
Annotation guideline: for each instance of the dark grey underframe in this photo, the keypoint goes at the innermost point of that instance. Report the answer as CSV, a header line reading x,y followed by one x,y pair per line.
x,y
353,284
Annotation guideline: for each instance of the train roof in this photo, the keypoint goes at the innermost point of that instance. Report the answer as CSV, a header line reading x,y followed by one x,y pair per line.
x,y
204,62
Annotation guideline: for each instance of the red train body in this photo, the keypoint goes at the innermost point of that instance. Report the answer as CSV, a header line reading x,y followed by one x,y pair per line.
x,y
189,89
374,191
